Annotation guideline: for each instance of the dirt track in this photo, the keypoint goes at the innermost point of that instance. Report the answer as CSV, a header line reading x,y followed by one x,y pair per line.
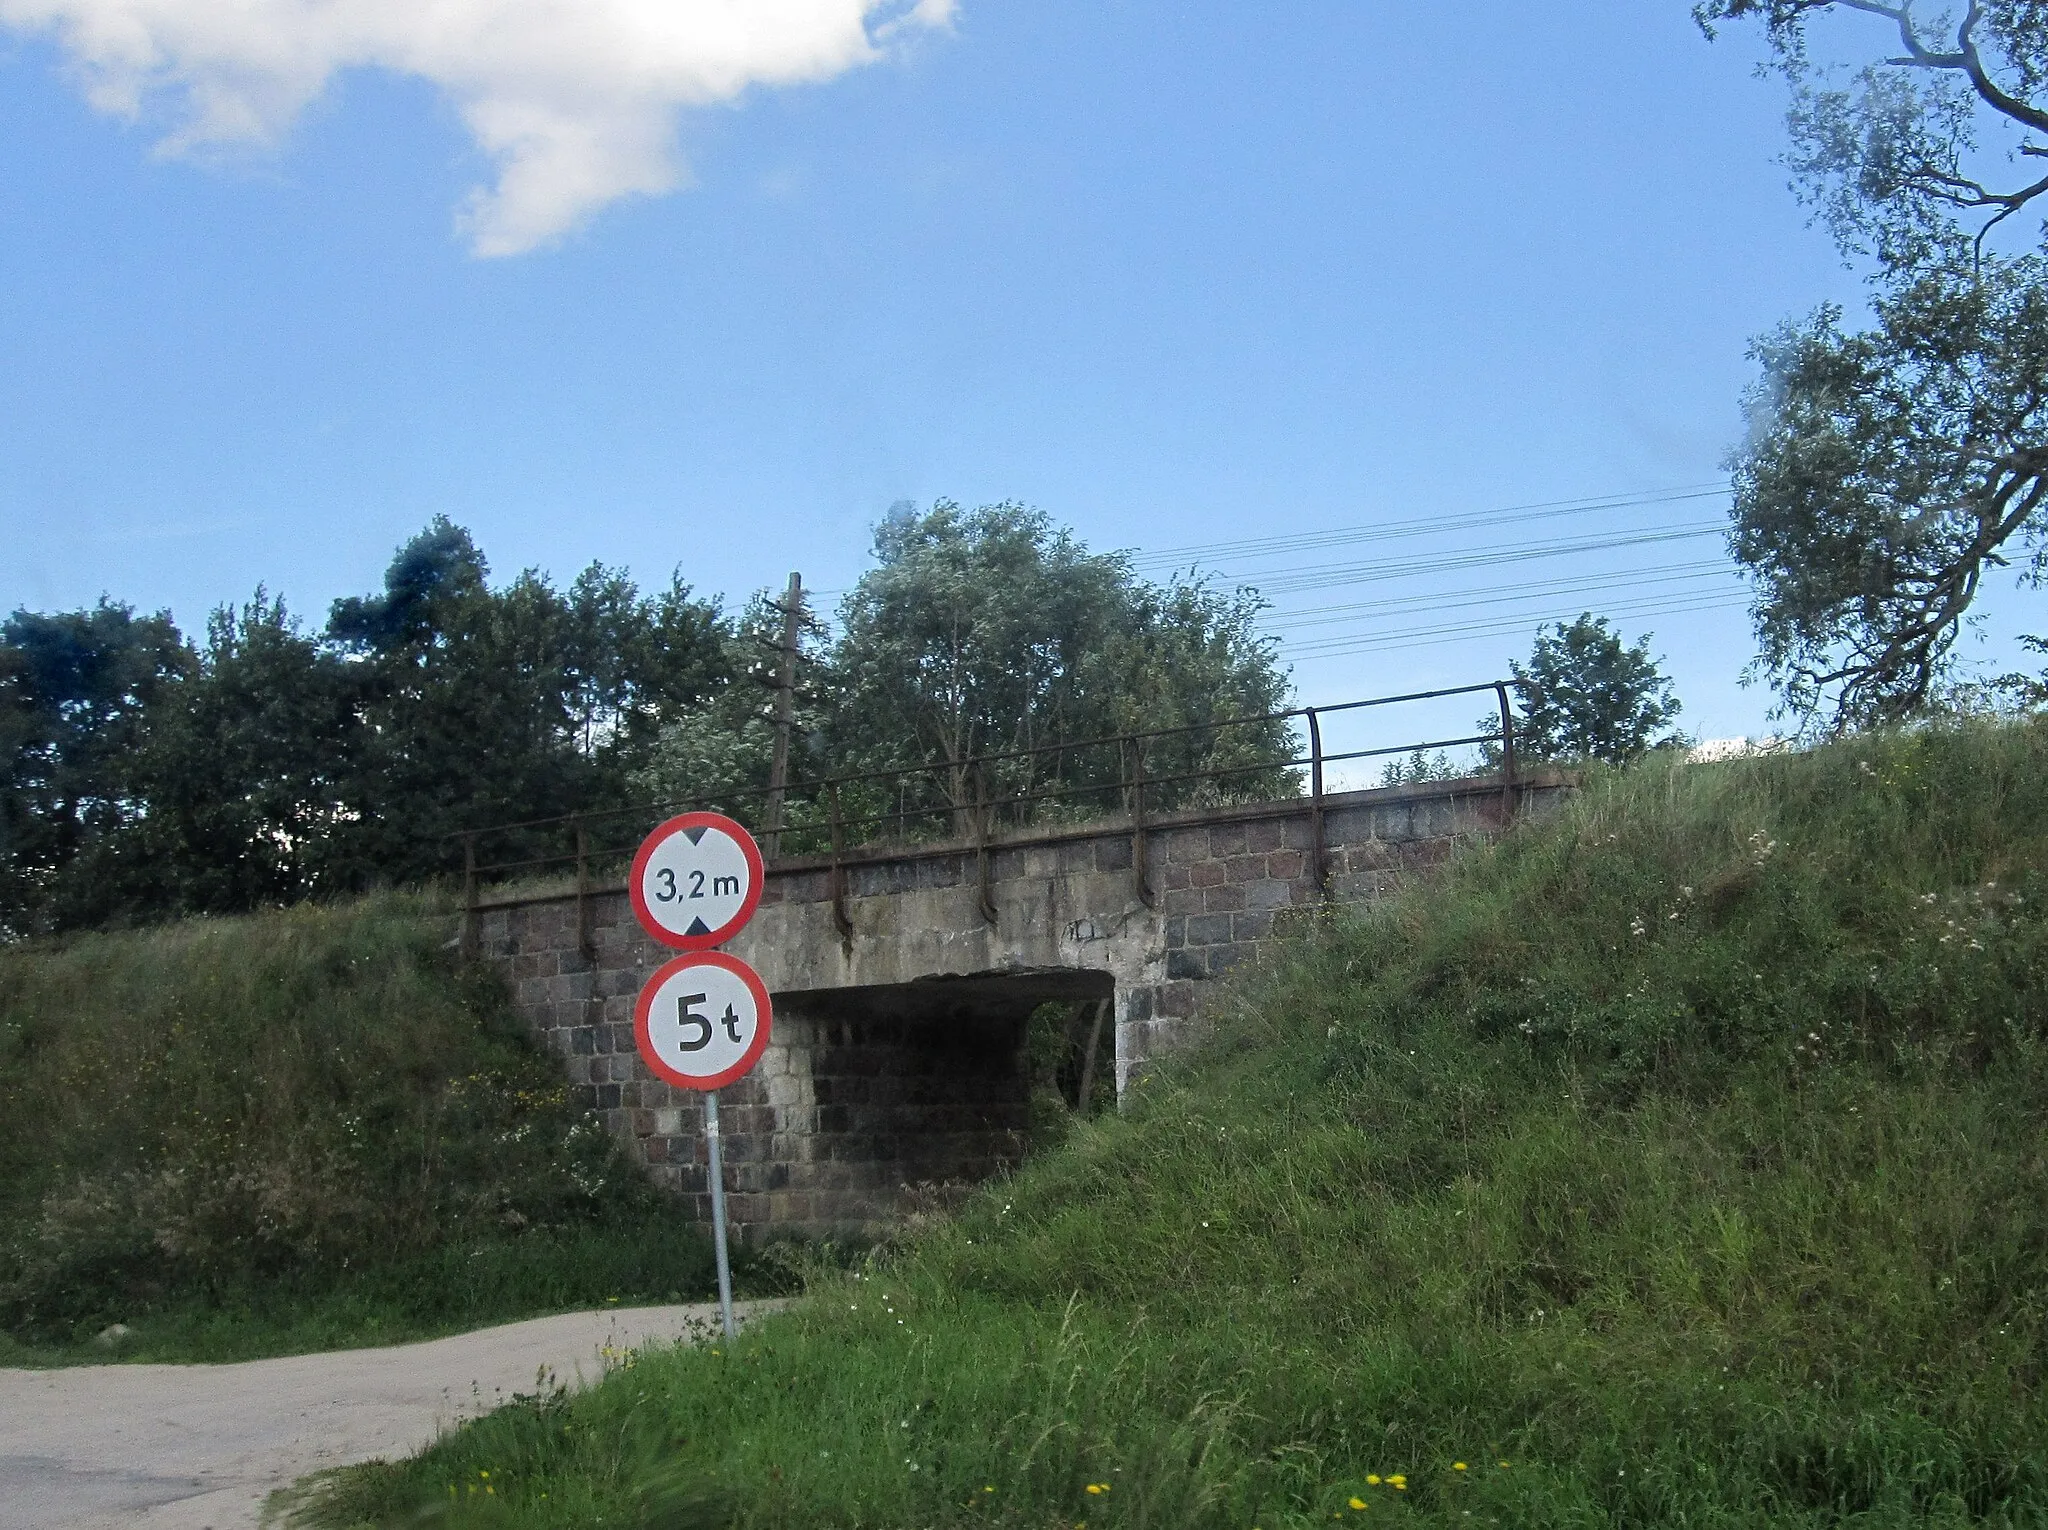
x,y
188,1447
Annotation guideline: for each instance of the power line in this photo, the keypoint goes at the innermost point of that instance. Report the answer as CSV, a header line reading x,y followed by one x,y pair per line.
x,y
1417,637
1669,573
1259,547
1316,577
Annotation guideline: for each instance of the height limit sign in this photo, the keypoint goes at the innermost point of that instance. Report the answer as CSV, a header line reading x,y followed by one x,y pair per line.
x,y
702,1019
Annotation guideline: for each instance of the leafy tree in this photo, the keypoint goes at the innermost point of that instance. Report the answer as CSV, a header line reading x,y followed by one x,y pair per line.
x,y
989,631
1586,696
492,706
722,751
1888,471
77,697
250,770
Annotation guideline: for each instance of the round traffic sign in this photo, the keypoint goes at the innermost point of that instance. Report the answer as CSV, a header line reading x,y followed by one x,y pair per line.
x,y
695,881
702,1020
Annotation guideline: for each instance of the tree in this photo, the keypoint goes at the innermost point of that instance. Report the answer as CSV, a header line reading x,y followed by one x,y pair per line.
x,y
1585,696
78,691
250,769
721,752
1887,471
989,631
486,706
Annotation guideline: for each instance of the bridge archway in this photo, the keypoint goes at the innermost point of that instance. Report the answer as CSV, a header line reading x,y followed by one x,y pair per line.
x,y
905,1092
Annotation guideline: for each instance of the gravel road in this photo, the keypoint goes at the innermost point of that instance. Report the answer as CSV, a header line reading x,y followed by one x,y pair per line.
x,y
199,1447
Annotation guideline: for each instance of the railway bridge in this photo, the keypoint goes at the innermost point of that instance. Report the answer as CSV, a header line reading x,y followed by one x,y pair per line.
x,y
904,972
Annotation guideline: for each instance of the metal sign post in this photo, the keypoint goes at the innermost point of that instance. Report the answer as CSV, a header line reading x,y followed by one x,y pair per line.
x,y
702,1019
718,1213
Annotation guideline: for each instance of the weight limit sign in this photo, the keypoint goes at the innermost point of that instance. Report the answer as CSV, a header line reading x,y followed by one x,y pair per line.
x,y
702,1020
695,881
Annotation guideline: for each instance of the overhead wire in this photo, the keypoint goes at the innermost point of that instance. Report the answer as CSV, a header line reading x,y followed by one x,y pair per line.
x,y
1415,637
1669,573
1259,547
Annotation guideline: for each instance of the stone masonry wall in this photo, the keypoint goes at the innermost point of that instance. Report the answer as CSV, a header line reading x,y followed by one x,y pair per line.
x,y
895,1058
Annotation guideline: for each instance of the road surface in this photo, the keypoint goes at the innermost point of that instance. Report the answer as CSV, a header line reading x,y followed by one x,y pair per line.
x,y
199,1447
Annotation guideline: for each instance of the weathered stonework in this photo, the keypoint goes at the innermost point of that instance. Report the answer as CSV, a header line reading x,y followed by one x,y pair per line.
x,y
896,1053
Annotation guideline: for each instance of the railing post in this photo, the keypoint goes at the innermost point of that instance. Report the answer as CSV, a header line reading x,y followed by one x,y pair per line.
x,y
1319,865
469,914
984,893
842,921
586,942
1507,755
1141,870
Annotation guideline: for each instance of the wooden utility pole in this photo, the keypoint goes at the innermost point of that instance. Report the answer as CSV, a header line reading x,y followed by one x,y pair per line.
x,y
785,711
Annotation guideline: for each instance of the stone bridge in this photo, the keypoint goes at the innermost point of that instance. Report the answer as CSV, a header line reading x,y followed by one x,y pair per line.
x,y
903,978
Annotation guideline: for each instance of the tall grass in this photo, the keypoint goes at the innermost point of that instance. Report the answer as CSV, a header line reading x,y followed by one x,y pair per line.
x,y
1678,1161
293,1129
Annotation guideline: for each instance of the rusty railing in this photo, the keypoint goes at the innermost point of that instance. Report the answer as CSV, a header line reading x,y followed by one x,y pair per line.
x,y
864,816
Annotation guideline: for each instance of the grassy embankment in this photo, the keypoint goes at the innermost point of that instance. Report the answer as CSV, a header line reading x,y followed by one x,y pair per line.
x,y
295,1131
1681,1161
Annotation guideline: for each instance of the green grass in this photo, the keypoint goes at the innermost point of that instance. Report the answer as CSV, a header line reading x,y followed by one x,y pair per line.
x,y
1685,1153
294,1131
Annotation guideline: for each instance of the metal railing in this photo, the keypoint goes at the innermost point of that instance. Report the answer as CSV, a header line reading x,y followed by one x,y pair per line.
x,y
1069,785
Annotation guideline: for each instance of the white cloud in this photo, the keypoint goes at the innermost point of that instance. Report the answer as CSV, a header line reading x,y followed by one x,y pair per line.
x,y
575,100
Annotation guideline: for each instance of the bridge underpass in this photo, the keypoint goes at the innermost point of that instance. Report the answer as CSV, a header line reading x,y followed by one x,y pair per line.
x,y
903,977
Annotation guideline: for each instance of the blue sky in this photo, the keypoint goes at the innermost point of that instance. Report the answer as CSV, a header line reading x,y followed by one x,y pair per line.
x,y
1176,275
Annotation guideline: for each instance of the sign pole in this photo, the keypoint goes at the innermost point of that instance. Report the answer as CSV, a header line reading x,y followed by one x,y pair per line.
x,y
701,1021
718,1212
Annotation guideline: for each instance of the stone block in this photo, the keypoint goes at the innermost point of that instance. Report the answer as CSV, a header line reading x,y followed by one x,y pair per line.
x,y
1208,929
1076,859
1251,926
1268,895
584,1040
1176,932
1223,900
1286,865
1172,878
1186,964
1264,836
1176,1000
1206,874
1223,958
1113,854
1183,900
1138,1005
1226,839
1180,847
607,1096
939,871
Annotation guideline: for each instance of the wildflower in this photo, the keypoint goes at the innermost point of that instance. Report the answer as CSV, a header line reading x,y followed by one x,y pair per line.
x,y
1457,1466
1504,1465
1357,1503
1372,1479
1098,1487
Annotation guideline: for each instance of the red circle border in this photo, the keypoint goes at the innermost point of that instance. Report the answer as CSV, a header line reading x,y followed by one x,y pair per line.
x,y
757,872
644,1005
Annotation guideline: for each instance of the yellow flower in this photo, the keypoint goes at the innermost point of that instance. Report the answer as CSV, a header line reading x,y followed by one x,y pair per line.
x,y
1357,1503
1503,1466
988,1490
1372,1479
1457,1466
1098,1487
